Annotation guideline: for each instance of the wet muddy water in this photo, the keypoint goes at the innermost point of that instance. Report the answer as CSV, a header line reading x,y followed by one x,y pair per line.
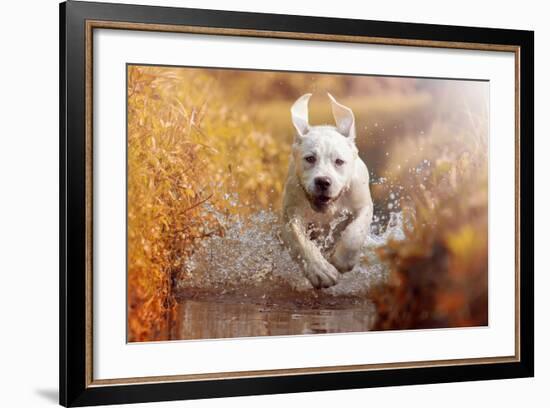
x,y
200,319
245,283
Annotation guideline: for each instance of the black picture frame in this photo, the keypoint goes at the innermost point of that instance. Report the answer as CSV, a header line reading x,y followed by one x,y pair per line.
x,y
75,387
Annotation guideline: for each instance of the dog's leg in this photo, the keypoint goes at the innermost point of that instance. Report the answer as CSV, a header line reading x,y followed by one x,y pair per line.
x,y
348,249
317,269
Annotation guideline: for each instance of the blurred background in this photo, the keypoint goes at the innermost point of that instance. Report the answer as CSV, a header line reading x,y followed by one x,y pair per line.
x,y
221,138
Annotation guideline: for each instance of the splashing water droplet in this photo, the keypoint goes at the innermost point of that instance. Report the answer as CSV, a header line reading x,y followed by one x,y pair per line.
x,y
250,254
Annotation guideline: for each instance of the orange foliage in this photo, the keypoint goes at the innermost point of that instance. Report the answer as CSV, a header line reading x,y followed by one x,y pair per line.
x,y
187,146
439,271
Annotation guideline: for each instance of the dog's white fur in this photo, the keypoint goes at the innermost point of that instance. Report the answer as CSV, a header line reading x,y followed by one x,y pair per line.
x,y
327,183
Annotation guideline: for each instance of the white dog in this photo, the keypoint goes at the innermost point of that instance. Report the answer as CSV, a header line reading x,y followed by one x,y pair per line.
x,y
326,195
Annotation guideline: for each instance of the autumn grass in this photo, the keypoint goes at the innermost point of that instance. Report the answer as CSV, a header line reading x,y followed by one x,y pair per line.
x,y
439,272
185,149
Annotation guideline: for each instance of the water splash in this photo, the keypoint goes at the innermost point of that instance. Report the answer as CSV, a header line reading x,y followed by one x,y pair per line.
x,y
250,259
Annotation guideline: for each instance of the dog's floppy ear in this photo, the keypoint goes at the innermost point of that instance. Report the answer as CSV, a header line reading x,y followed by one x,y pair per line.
x,y
345,121
299,114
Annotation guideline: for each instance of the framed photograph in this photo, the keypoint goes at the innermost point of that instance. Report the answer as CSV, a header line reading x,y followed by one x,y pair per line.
x,y
256,204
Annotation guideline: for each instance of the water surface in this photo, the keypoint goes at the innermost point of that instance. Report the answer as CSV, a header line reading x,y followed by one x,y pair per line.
x,y
244,283
232,318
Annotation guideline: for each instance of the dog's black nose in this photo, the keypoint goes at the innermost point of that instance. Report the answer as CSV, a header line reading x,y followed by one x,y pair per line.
x,y
322,183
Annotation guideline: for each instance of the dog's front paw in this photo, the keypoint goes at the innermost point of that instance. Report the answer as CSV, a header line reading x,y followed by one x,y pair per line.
x,y
321,274
344,260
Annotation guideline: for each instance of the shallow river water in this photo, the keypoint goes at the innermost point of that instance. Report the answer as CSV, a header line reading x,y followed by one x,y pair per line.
x,y
245,283
211,319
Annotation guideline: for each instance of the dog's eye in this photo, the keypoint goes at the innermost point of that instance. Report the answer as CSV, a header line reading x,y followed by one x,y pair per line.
x,y
339,162
310,159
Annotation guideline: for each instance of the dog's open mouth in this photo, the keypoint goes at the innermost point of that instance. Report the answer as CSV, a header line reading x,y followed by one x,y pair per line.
x,y
321,202
323,199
